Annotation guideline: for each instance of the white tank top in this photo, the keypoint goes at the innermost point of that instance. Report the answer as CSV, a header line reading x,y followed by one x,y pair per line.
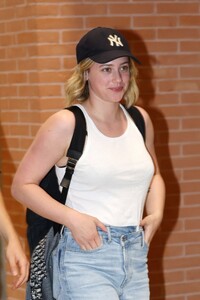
x,y
112,177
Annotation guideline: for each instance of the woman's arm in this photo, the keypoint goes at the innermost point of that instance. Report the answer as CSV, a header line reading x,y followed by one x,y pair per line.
x,y
15,255
49,148
156,196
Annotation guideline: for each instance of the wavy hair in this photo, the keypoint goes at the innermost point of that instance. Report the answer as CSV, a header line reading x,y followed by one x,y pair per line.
x,y
76,87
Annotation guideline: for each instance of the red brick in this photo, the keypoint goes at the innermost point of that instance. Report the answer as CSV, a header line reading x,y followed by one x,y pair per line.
x,y
192,199
177,59
15,78
52,104
191,174
42,37
178,33
190,98
125,22
176,85
177,8
7,14
192,149
46,10
189,72
155,21
190,46
131,8
48,77
181,111
189,20
146,34
193,249
192,224
53,50
181,263
193,297
39,64
155,46
55,23
84,9
173,277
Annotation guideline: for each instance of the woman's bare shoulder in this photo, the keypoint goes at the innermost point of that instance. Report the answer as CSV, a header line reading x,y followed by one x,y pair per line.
x,y
63,119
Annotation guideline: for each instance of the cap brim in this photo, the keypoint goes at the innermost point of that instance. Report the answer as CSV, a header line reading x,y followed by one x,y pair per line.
x,y
107,56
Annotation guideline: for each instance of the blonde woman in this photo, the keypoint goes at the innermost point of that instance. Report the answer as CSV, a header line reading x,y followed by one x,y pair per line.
x,y
104,247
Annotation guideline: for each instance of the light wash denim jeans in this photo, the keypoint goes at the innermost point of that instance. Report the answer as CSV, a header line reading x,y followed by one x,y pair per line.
x,y
117,270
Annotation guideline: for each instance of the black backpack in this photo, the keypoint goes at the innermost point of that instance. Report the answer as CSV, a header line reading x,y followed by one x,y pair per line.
x,y
38,226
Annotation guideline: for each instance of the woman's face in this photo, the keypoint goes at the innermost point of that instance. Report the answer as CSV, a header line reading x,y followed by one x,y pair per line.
x,y
109,81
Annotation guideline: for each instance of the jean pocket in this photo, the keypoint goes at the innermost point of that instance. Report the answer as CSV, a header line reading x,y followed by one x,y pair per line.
x,y
138,242
73,246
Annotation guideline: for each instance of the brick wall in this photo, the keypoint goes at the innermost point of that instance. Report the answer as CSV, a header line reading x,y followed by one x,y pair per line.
x,y
37,44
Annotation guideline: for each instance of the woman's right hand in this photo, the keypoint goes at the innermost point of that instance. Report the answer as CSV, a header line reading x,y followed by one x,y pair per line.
x,y
84,230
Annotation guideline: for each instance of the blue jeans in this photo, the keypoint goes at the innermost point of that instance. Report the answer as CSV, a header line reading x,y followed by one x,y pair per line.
x,y
117,270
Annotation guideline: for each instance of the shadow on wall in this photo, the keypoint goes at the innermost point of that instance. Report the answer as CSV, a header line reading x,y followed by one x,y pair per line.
x,y
147,98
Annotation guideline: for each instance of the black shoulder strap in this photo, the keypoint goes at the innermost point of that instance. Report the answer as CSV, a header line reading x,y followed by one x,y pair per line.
x,y
138,119
78,139
75,149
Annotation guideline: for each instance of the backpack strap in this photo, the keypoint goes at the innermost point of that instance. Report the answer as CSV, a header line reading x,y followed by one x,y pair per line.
x,y
78,140
138,119
75,149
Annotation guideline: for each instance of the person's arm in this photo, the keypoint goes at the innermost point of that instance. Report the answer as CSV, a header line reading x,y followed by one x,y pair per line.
x,y
15,255
49,148
156,195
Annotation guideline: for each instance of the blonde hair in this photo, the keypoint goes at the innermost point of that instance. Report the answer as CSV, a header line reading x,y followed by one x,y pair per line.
x,y
76,87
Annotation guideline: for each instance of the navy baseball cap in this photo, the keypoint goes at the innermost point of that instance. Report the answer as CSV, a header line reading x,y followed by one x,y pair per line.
x,y
102,45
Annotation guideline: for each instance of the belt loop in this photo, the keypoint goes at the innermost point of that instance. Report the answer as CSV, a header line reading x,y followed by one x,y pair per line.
x,y
61,231
109,234
137,228
142,242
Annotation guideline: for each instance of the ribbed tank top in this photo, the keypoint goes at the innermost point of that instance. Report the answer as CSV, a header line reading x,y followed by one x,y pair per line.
x,y
112,177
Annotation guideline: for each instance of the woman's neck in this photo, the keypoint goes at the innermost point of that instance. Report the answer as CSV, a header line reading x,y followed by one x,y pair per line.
x,y
109,119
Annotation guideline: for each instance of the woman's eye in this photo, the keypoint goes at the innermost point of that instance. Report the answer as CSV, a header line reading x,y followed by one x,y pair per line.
x,y
125,68
106,70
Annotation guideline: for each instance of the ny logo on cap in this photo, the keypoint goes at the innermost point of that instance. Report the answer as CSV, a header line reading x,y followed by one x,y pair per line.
x,y
115,40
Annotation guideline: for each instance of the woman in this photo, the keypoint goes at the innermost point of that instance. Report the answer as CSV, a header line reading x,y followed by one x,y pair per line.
x,y
15,255
104,246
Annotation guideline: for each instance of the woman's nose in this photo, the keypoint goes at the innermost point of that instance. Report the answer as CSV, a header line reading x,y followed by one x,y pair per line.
x,y
117,76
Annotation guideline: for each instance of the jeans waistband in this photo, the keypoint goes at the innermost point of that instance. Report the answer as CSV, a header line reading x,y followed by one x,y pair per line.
x,y
115,231
123,229
122,234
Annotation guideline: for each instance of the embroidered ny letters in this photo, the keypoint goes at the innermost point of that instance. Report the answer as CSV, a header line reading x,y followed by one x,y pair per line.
x,y
115,40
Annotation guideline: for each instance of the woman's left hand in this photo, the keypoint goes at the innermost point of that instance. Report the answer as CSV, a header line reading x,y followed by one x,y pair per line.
x,y
150,224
